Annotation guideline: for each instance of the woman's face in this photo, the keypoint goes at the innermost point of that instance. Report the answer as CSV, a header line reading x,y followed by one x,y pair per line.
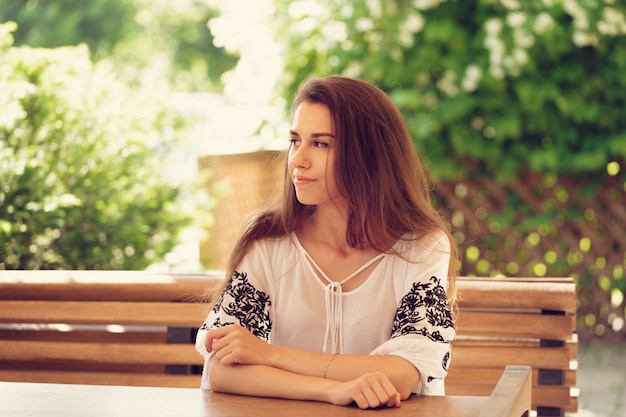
x,y
311,155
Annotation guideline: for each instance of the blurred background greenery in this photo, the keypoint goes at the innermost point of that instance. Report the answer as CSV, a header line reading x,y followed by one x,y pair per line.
x,y
519,108
133,35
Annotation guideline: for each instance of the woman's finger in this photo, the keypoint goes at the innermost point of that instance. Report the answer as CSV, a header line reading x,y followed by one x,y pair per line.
x,y
371,396
390,391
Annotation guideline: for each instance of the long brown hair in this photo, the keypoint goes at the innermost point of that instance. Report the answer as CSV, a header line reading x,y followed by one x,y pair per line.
x,y
374,156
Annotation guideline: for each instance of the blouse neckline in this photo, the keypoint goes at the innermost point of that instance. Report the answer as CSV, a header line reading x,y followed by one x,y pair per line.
x,y
315,268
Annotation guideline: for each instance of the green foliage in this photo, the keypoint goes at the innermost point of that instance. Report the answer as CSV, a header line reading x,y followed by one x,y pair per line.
x,y
138,36
99,24
80,186
506,83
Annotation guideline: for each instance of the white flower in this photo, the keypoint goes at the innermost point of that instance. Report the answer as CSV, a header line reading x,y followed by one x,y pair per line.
x,y
335,31
364,24
520,56
472,77
510,4
10,114
493,26
496,49
447,83
523,39
413,23
375,8
297,9
581,39
426,4
572,8
613,22
543,22
516,19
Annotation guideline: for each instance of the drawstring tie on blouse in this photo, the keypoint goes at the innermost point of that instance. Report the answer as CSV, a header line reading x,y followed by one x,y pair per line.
x,y
333,294
333,342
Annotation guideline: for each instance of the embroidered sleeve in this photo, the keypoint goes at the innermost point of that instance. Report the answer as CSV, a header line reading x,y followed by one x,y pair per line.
x,y
241,303
424,320
425,311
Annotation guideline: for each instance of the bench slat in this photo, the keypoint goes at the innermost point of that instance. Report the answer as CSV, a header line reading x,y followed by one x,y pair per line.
x,y
515,325
492,357
557,396
457,375
104,312
193,290
533,293
44,336
103,378
139,353
571,345
81,367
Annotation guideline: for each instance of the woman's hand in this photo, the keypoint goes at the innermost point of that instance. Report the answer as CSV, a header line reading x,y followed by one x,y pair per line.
x,y
234,345
371,390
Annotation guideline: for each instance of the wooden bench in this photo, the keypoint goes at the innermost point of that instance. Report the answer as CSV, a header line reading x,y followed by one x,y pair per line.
x,y
108,328
135,328
517,321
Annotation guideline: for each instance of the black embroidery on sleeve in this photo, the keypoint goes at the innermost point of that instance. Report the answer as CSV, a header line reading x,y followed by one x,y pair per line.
x,y
445,361
245,305
424,310
444,365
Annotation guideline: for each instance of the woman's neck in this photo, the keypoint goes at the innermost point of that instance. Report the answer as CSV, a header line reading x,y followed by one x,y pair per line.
x,y
327,225
323,236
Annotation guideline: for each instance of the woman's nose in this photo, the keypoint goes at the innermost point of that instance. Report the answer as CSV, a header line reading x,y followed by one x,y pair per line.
x,y
299,157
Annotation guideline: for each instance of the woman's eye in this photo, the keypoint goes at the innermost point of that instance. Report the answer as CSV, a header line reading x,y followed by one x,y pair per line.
x,y
321,144
294,141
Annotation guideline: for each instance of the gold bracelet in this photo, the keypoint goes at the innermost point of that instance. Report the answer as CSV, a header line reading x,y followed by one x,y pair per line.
x,y
328,364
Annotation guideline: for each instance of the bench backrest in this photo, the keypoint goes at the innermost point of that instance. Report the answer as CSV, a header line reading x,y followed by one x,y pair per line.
x,y
137,328
112,328
530,322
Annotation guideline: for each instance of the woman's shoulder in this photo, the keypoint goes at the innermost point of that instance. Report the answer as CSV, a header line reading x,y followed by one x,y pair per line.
x,y
266,260
274,251
275,243
415,247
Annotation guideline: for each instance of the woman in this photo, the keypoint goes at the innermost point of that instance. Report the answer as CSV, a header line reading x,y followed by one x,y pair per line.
x,y
337,293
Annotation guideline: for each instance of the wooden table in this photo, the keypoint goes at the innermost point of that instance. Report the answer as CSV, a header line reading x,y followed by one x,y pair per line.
x,y
20,399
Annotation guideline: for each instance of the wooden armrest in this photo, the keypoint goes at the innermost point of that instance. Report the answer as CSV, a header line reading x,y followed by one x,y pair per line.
x,y
511,396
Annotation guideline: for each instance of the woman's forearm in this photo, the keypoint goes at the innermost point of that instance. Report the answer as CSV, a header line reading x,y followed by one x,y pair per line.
x,y
267,381
402,374
371,390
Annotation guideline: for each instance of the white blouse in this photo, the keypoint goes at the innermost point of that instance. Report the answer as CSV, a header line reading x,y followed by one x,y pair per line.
x,y
401,309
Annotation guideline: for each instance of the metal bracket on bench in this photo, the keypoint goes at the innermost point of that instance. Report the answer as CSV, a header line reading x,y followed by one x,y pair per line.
x,y
551,376
182,335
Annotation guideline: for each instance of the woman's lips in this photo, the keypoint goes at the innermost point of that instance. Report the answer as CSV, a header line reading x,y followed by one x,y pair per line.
x,y
302,180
